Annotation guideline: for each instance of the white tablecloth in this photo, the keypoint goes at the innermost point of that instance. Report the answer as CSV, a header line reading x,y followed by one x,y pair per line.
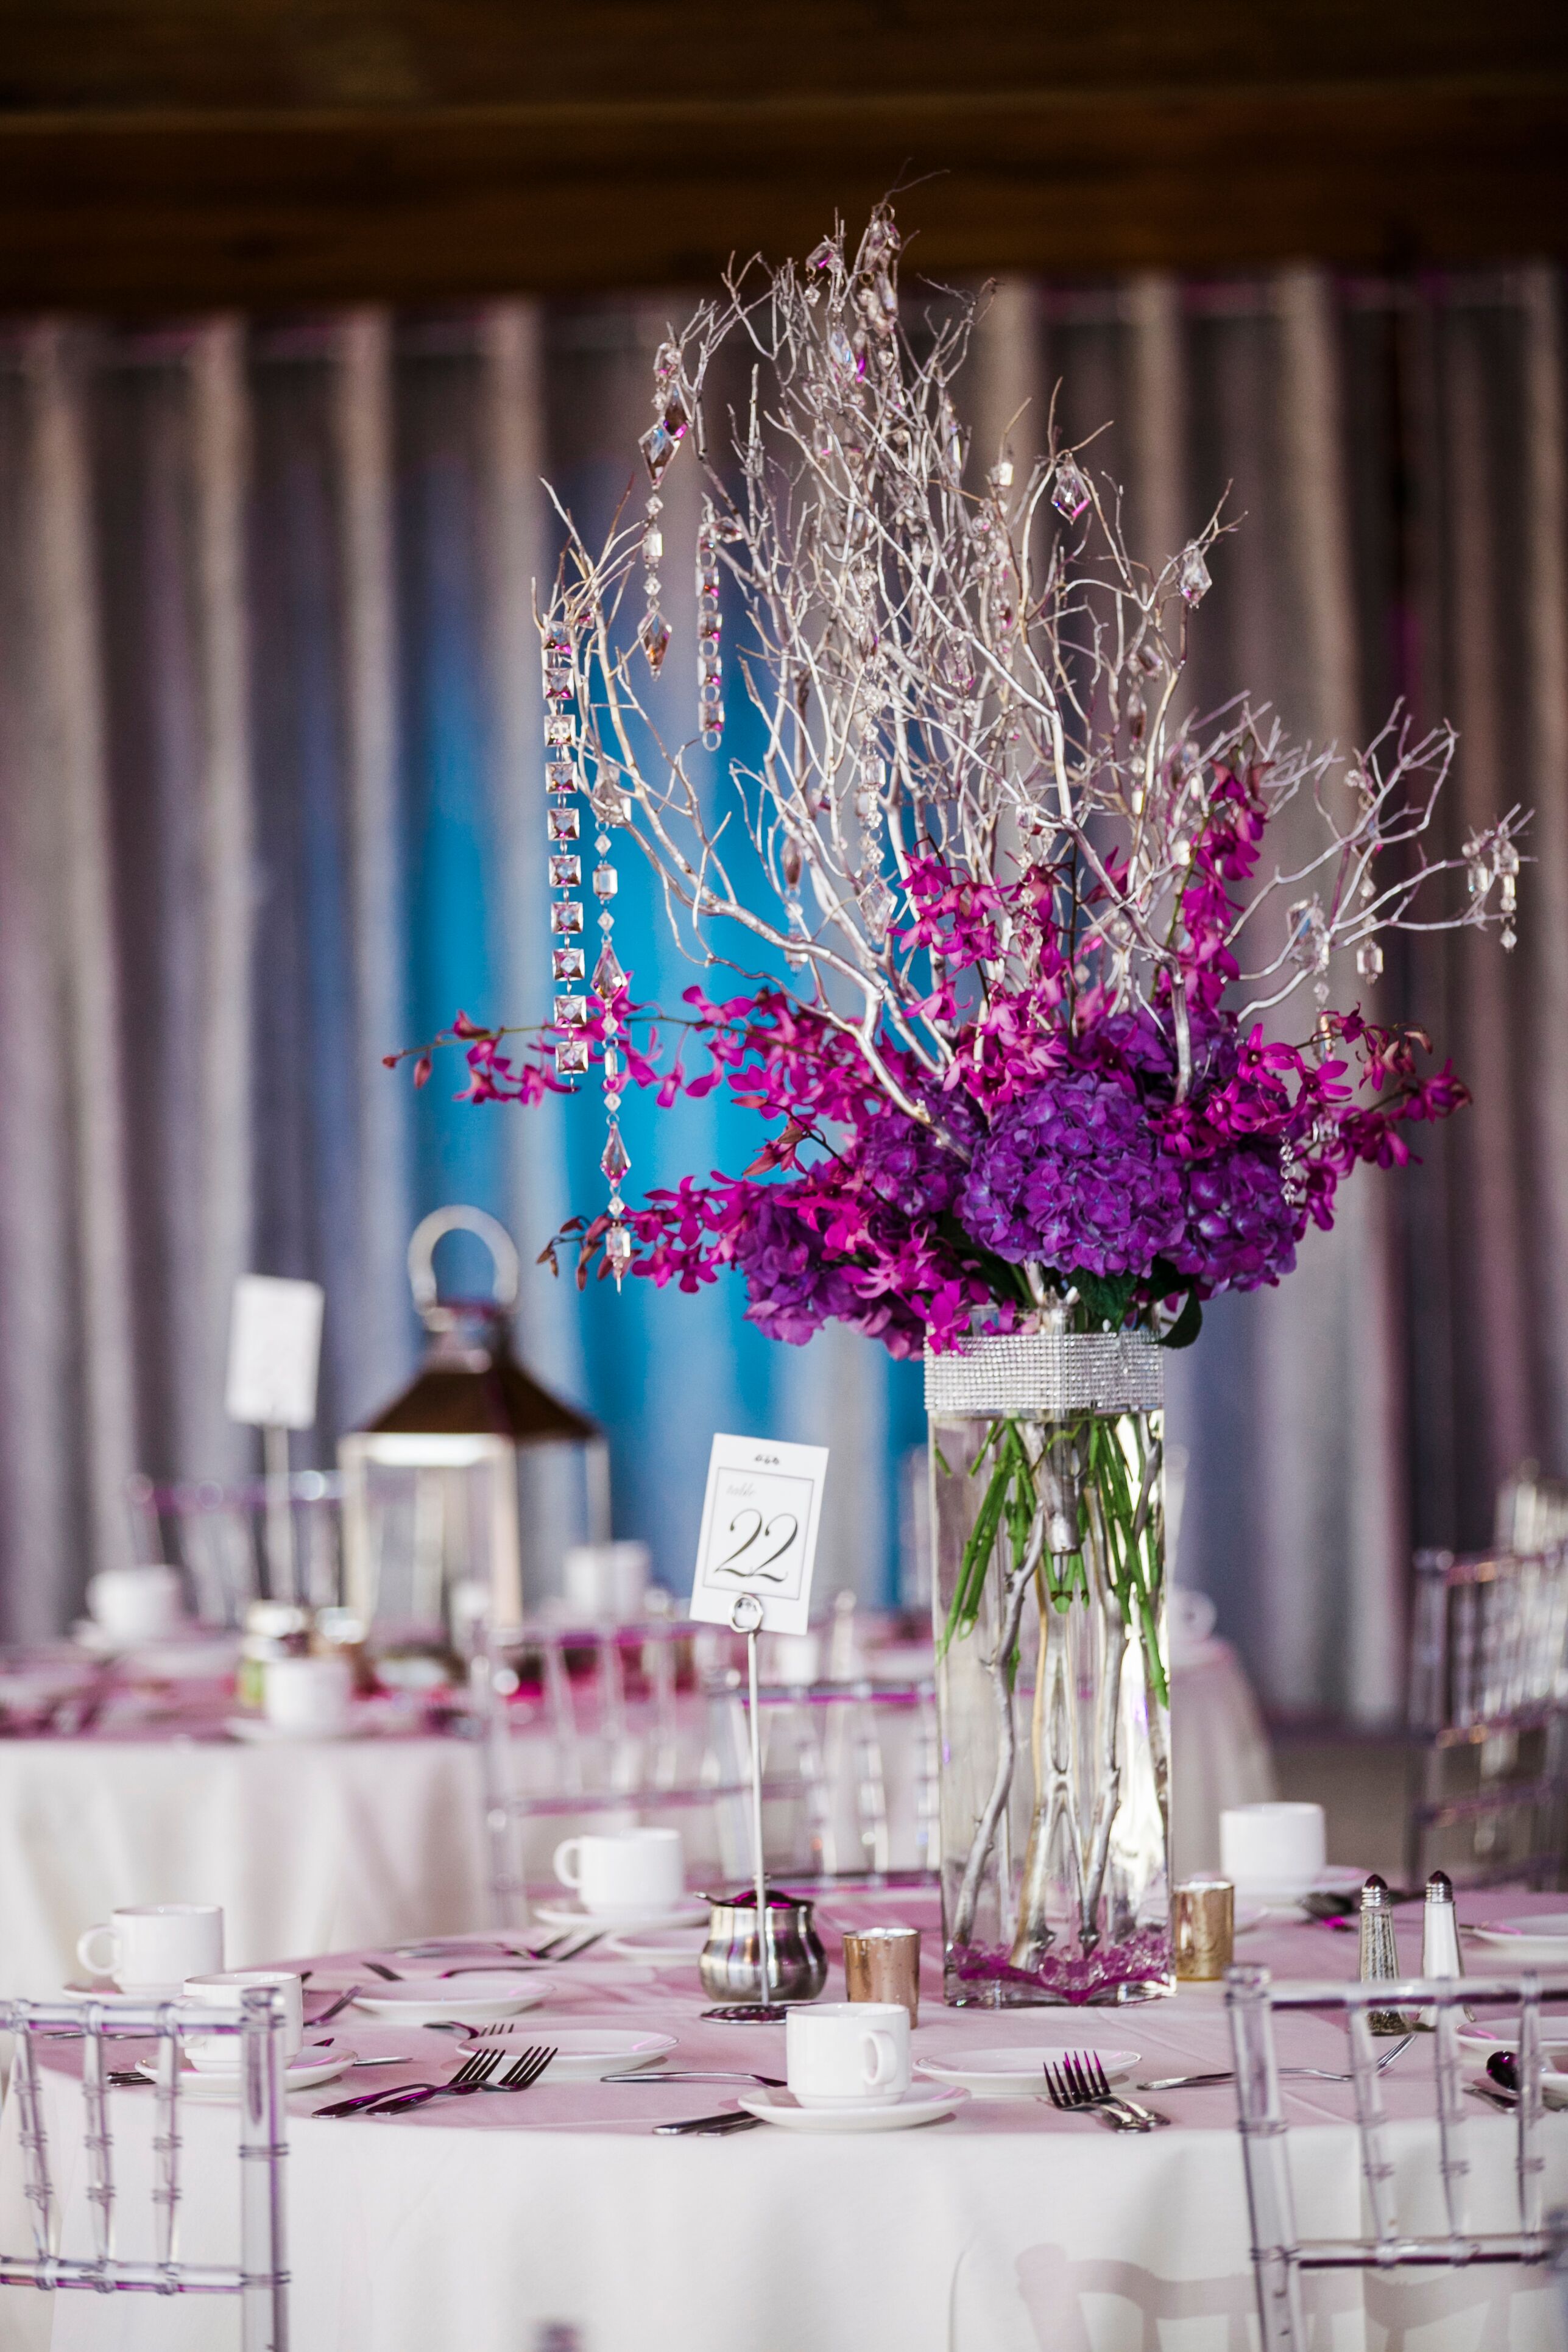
x,y
333,1844
308,1848
1006,2229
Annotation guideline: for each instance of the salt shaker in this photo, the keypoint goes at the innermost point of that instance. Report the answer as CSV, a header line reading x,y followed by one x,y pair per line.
x,y
1379,1954
1440,1953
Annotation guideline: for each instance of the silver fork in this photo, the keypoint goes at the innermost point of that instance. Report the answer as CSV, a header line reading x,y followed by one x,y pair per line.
x,y
483,2064
524,2072
1071,2088
472,2076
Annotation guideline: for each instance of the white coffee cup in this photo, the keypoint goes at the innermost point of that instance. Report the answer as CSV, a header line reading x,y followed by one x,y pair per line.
x,y
224,1989
136,1605
1275,1849
847,2052
607,1581
153,1948
308,1696
627,1874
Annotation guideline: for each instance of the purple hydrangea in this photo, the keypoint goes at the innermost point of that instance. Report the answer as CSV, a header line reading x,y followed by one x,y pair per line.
x,y
794,1287
1239,1232
908,1168
1072,1175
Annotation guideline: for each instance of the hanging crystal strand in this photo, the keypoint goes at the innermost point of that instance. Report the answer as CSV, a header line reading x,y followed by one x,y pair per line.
x,y
569,1011
1508,893
658,445
710,623
612,806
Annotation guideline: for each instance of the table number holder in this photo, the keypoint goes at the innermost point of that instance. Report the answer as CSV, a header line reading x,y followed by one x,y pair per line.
x,y
274,1361
746,1617
755,1561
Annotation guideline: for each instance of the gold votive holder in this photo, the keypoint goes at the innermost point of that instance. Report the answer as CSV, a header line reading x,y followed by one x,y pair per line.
x,y
1203,1928
884,1964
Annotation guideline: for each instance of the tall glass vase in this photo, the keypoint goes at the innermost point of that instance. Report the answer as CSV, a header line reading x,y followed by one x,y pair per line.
x,y
1052,1695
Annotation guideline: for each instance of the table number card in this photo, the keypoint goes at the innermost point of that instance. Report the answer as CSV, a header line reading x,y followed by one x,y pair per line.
x,y
759,1531
274,1351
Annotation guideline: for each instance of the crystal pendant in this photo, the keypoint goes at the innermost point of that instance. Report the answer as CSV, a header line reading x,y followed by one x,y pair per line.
x,y
568,963
608,978
1071,493
1509,938
1193,573
570,1011
653,638
607,881
563,824
615,1159
610,803
572,1057
565,873
652,544
877,904
1369,959
561,728
658,445
618,1250
612,1065
560,777
566,915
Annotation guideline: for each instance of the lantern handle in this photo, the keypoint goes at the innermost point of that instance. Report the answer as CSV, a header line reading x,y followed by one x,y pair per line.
x,y
455,1220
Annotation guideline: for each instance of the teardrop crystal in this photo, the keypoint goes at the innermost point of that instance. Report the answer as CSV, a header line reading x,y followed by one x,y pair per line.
x,y
1070,494
653,638
615,1159
608,978
1193,573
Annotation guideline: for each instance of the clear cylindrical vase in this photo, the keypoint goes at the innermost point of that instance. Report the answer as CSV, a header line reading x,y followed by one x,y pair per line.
x,y
1048,1526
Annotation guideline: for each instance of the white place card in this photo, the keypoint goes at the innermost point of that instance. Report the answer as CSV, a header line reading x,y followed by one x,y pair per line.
x,y
760,1519
274,1351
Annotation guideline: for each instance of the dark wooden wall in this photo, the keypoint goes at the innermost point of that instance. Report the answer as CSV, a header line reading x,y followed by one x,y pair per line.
x,y
158,153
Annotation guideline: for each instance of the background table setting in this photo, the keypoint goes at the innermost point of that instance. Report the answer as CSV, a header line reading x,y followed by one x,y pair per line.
x,y
479,2217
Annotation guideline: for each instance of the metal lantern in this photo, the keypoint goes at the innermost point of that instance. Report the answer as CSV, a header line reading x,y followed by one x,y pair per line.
x,y
431,1486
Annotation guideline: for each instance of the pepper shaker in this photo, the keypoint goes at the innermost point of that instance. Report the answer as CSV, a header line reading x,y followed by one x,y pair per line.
x,y
1379,1954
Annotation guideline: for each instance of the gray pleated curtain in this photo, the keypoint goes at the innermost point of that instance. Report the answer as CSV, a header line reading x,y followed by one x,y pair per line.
x,y
269,807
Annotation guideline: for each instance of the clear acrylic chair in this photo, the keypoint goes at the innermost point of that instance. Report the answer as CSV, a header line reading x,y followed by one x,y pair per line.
x,y
1384,2244
1488,1714
220,1536
641,1722
259,2278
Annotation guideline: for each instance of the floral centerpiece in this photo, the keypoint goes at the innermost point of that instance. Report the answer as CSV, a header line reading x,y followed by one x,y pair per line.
x,y
1013,955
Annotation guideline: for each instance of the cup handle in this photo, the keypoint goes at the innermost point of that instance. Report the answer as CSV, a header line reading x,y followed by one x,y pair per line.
x,y
84,1944
568,1846
882,2059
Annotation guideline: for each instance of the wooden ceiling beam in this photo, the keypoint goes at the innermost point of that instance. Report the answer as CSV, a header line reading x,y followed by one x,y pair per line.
x,y
142,206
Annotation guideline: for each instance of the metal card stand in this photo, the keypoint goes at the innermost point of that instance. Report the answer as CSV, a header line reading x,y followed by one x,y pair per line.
x,y
746,1617
282,1572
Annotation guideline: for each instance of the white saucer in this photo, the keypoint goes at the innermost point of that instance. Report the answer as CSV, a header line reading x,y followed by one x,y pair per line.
x,y
1018,2073
687,1913
584,2053
1502,2033
923,2102
666,1947
302,2074
1529,1935
462,2000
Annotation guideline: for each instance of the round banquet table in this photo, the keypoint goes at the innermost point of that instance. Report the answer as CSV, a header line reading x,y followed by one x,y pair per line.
x,y
1008,2228
327,1845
